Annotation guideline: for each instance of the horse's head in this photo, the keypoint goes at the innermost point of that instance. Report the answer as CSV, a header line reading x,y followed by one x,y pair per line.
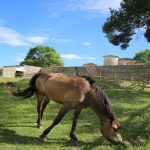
x,y
110,130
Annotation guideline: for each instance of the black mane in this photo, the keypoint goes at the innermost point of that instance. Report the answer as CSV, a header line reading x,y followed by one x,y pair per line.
x,y
102,97
89,79
104,100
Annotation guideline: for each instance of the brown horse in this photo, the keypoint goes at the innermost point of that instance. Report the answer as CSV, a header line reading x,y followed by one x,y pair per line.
x,y
73,93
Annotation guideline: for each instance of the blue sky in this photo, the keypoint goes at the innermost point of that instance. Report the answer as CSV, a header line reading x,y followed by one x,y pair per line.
x,y
72,27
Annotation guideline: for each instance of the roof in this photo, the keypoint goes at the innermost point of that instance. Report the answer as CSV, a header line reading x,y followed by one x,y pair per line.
x,y
15,66
130,59
89,64
111,56
126,59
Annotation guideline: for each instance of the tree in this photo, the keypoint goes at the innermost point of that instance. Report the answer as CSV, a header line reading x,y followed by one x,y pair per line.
x,y
144,56
123,23
42,56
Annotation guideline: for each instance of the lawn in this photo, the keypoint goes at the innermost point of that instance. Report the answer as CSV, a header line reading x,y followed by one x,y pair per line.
x,y
18,116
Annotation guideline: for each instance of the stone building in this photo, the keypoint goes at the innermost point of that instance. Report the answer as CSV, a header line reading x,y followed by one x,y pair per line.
x,y
129,61
19,71
110,60
89,65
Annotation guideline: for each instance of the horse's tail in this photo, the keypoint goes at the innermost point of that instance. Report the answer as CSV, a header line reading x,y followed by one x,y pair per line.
x,y
28,92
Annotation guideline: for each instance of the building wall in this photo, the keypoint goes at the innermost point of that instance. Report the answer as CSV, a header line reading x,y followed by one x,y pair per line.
x,y
27,71
129,62
9,71
110,60
1,71
31,70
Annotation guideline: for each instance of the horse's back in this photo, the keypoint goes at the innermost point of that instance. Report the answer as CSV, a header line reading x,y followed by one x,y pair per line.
x,y
63,89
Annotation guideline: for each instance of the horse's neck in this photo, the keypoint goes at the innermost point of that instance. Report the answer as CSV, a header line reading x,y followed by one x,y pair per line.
x,y
99,110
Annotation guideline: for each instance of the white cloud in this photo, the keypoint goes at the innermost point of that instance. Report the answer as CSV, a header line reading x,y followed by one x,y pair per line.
x,y
87,43
11,37
74,56
60,40
70,56
94,5
53,14
37,39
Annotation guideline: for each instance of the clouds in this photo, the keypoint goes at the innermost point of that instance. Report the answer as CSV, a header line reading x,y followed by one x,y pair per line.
x,y
74,56
86,43
91,6
58,39
37,39
12,37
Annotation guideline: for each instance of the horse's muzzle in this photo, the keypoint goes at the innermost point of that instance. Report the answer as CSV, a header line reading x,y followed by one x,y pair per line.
x,y
115,142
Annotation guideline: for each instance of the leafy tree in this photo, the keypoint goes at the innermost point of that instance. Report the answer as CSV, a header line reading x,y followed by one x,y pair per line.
x,y
144,56
123,23
42,56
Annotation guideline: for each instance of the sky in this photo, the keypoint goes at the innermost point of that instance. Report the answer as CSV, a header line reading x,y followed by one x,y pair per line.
x,y
72,27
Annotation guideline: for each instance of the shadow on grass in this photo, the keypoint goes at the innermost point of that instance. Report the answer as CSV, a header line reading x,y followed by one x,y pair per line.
x,y
136,128
18,125
8,136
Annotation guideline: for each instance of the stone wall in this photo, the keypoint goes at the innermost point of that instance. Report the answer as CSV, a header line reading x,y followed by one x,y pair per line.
x,y
31,70
1,72
138,73
124,72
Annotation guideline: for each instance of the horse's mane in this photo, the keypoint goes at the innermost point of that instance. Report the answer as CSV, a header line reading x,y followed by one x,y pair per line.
x,y
103,98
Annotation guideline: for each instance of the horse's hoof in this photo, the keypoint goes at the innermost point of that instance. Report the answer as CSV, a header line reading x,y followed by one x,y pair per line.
x,y
42,138
75,142
39,126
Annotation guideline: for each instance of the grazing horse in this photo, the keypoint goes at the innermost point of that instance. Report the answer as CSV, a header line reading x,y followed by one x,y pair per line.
x,y
73,93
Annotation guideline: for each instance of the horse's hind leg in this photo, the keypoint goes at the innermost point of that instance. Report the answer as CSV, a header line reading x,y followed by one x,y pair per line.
x,y
40,98
74,125
44,104
60,115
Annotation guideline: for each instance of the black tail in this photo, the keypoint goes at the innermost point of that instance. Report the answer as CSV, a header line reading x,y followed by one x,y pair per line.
x,y
28,92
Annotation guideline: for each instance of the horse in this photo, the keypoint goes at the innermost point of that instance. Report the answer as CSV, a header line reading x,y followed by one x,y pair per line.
x,y
73,93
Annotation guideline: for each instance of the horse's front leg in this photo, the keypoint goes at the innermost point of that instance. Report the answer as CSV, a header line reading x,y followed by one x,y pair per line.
x,y
74,125
60,115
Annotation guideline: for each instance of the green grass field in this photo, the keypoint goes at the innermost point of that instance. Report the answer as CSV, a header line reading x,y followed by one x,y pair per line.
x,y
18,116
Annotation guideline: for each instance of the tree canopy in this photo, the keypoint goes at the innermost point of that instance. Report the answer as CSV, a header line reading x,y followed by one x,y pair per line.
x,y
124,22
42,56
144,56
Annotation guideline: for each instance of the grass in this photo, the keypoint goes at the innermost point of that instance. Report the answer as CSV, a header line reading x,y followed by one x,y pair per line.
x,y
17,120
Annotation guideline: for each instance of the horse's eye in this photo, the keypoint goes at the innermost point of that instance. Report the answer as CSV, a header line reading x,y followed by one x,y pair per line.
x,y
116,129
